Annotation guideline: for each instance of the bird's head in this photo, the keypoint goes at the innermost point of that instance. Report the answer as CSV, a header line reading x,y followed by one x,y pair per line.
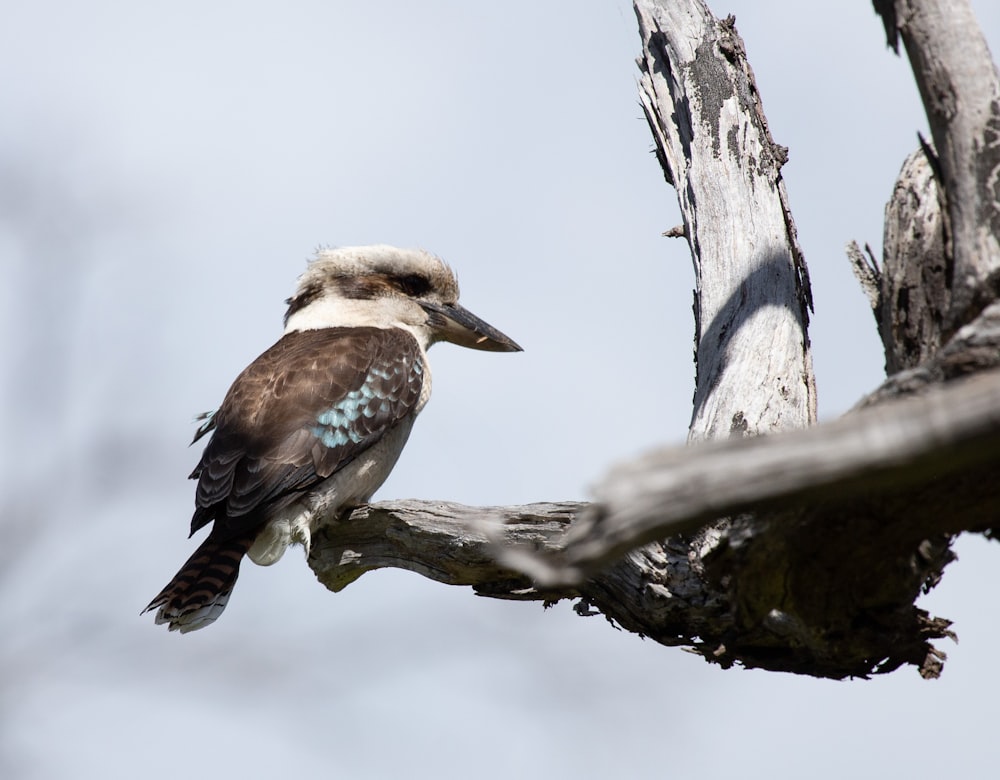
x,y
385,287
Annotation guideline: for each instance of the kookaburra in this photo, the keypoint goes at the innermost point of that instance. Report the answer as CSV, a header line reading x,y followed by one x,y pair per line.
x,y
314,425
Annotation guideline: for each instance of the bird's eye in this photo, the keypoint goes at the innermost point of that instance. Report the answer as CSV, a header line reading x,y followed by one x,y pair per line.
x,y
413,285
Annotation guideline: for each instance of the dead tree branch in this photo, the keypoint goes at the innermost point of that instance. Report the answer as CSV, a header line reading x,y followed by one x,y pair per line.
x,y
910,294
447,542
752,296
960,89
896,446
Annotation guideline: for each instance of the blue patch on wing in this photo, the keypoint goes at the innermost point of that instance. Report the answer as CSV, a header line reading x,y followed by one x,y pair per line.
x,y
350,419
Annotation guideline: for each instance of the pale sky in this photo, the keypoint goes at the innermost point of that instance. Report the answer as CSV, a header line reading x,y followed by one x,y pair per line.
x,y
165,172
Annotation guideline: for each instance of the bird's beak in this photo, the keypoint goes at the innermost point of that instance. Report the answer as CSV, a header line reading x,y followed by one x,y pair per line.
x,y
458,325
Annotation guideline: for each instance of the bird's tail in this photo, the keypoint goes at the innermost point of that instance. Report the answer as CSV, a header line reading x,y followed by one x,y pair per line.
x,y
199,592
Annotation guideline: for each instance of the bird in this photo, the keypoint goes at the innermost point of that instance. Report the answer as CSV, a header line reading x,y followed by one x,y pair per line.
x,y
313,427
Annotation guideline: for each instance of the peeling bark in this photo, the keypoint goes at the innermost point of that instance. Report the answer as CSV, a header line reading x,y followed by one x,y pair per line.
x,y
960,89
911,293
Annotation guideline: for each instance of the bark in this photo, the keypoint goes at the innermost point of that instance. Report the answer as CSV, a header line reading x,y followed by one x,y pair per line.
x,y
444,541
804,550
910,295
960,89
752,296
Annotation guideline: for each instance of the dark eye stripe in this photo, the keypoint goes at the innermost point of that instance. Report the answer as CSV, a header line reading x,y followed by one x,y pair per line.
x,y
362,287
413,285
374,285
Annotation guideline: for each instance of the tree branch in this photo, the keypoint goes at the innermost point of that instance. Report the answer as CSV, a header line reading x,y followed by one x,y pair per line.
x,y
752,287
447,542
910,294
892,447
960,89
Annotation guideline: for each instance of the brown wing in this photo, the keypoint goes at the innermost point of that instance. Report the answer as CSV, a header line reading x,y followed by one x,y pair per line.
x,y
297,414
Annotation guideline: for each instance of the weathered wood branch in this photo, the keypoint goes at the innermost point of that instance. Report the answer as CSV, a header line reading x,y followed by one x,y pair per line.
x,y
891,447
752,296
960,89
444,541
910,293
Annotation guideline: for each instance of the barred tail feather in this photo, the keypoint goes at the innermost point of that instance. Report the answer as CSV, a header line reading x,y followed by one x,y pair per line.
x,y
199,592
